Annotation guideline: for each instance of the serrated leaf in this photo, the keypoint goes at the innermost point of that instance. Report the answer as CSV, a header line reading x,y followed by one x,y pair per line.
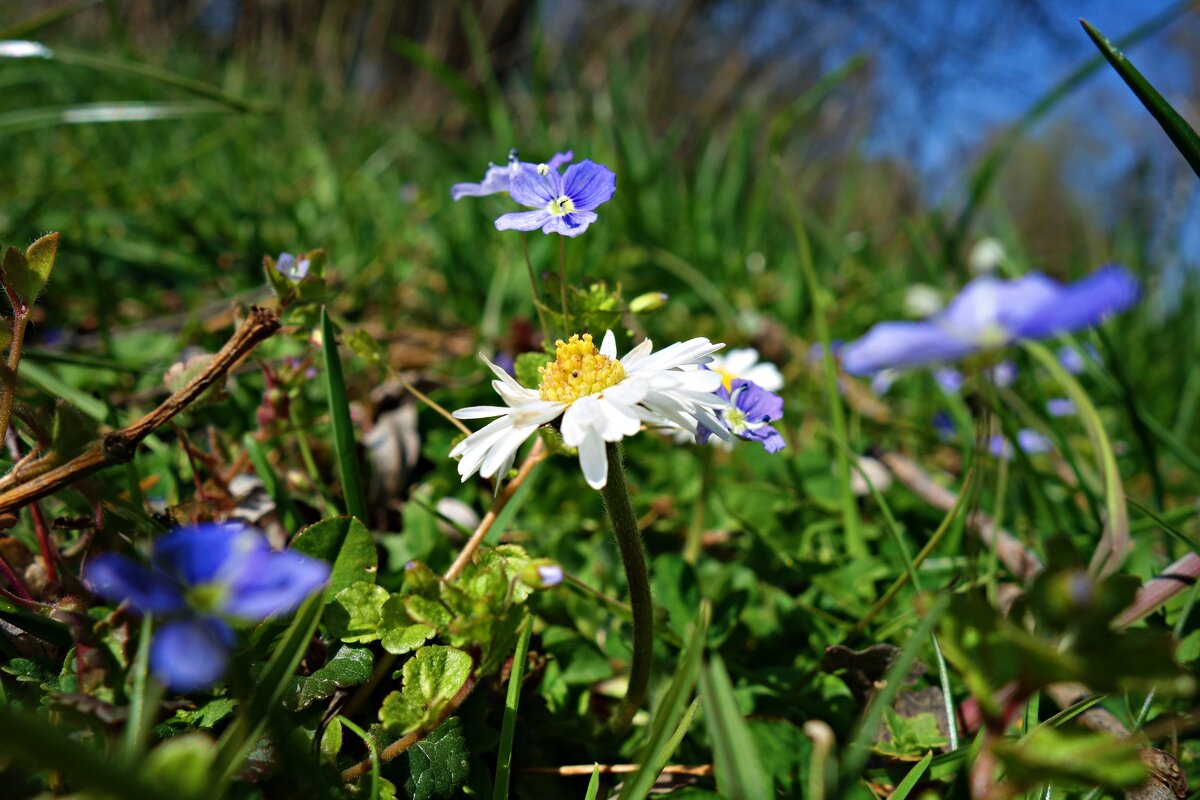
x,y
399,641
349,666
438,764
526,365
912,737
430,612
209,714
346,544
355,613
431,679
26,273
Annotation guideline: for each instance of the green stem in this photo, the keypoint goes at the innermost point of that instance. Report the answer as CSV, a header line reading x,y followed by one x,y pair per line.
x,y
695,532
533,285
9,376
629,542
562,283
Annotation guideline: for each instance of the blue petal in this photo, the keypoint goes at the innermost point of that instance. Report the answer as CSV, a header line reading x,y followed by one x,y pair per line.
x,y
272,582
200,554
191,654
523,220
757,403
589,184
902,344
988,302
530,188
559,159
495,181
571,224
1085,302
771,439
117,578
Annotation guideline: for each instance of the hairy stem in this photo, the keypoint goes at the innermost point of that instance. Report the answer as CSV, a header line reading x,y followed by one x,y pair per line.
x,y
629,543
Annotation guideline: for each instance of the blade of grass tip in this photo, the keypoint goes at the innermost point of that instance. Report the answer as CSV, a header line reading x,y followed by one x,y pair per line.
x,y
339,415
910,780
272,484
910,568
28,27
1180,133
739,771
984,175
859,748
114,66
856,546
508,727
1173,443
144,699
44,628
593,789
1115,543
1171,530
671,721
239,737
90,113
370,743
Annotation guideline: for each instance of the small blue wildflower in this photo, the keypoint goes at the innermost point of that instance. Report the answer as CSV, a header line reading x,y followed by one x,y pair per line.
x,y
1030,441
550,574
948,379
1074,361
498,179
991,313
200,577
881,382
290,268
1003,374
944,426
563,203
1060,407
748,410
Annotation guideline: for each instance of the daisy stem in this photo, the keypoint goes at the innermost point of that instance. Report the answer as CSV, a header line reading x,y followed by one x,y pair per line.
x,y
562,283
537,298
629,543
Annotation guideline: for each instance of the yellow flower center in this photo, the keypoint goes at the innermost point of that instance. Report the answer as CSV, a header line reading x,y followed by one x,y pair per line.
x,y
727,377
578,369
561,206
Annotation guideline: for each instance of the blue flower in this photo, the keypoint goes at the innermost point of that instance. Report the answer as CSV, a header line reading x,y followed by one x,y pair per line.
x,y
1060,407
563,203
200,577
949,379
1030,441
748,409
290,268
990,313
498,179
1003,374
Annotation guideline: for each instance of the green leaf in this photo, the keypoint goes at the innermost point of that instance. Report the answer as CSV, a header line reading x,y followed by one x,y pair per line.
x,y
209,714
1176,127
343,429
401,640
44,628
431,680
512,701
430,612
349,666
593,787
785,753
331,741
346,544
182,764
910,780
438,763
527,365
365,346
911,736
355,614
739,771
1072,757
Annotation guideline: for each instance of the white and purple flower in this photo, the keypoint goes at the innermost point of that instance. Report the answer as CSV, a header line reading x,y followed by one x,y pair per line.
x,y
748,411
563,204
498,179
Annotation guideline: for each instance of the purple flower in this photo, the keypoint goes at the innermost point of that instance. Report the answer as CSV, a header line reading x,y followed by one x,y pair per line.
x,y
1003,374
990,313
748,409
1030,441
881,382
1074,361
1060,407
944,426
200,577
497,179
949,379
290,268
563,203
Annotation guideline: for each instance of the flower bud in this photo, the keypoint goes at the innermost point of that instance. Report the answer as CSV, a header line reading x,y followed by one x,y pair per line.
x,y
650,301
541,573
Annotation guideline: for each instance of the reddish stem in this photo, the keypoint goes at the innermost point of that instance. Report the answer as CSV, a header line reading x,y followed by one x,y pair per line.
x,y
45,545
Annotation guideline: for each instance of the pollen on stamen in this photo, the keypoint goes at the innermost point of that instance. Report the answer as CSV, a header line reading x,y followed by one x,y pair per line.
x,y
578,369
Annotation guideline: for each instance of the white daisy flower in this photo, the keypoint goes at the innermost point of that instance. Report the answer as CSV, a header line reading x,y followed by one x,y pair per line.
x,y
599,398
743,363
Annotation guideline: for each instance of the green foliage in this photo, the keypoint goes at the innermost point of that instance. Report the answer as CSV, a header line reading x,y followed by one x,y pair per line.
x,y
527,366
346,544
911,737
348,666
26,274
1072,758
356,612
432,677
438,764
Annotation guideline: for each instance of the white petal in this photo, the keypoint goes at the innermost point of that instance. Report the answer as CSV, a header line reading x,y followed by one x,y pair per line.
x,y
693,351
618,421
508,380
480,412
635,355
627,392
738,362
578,419
503,450
593,460
608,347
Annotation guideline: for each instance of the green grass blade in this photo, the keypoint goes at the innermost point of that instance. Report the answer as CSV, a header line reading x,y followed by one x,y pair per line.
x,y
910,780
412,51
272,484
143,702
739,771
31,25
370,743
343,430
859,748
240,736
671,718
593,789
1178,131
91,113
44,628
508,726
1115,544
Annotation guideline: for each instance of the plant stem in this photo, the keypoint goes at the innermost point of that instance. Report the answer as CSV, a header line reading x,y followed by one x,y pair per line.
x,y
629,543
562,284
533,285
695,533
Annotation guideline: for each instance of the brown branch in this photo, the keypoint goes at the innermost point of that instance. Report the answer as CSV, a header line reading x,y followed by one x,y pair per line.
x,y
119,446
408,740
700,770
